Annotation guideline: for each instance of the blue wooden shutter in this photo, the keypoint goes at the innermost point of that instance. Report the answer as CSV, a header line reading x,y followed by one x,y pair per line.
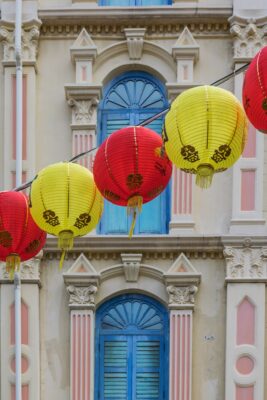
x,y
114,219
125,3
130,99
114,372
146,368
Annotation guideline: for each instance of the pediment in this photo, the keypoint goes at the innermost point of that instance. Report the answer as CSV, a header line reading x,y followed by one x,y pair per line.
x,y
82,266
83,41
186,39
182,271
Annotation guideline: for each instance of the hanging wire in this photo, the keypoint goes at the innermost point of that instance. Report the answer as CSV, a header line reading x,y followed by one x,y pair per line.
x,y
146,121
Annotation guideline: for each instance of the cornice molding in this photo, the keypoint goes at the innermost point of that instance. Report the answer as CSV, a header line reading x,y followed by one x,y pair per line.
x,y
114,29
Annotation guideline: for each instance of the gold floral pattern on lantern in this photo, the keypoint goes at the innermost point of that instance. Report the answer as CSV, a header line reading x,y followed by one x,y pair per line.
x,y
134,181
109,195
82,221
222,153
189,153
32,246
5,239
51,218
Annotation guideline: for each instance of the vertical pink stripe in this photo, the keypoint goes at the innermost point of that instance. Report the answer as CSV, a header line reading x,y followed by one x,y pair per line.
x,y
172,344
25,392
84,73
24,117
185,72
88,357
185,193
178,355
190,194
79,357
183,357
245,323
244,393
83,356
13,178
188,355
180,175
24,323
248,178
73,369
250,148
175,190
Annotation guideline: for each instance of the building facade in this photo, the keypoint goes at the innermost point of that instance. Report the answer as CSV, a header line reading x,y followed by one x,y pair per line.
x,y
179,311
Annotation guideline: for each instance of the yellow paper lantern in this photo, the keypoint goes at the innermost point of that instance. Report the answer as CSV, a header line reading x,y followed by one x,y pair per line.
x,y
205,132
65,202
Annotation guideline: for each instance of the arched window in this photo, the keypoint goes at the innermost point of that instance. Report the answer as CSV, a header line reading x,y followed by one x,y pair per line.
x,y
128,100
131,349
131,3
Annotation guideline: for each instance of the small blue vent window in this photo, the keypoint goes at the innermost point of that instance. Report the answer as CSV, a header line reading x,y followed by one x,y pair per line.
x,y
131,349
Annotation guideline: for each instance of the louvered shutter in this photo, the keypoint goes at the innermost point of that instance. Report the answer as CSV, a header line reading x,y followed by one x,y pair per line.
x,y
114,219
114,373
153,217
146,368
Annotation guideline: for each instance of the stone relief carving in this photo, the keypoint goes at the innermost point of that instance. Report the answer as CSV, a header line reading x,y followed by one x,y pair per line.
x,y
29,270
82,295
181,295
29,42
248,39
131,266
135,42
83,110
246,262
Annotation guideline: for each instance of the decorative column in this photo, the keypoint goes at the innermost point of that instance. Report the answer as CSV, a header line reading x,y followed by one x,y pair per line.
x,y
246,278
181,283
185,52
248,38
30,35
81,283
30,361
83,98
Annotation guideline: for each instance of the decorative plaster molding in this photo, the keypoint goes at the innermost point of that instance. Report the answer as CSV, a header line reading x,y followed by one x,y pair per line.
x,y
115,29
29,270
248,37
135,42
81,273
246,263
83,48
131,266
181,296
185,47
30,37
83,111
82,297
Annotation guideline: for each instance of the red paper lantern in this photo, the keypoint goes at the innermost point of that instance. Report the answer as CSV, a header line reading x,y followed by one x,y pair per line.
x,y
20,237
130,168
255,91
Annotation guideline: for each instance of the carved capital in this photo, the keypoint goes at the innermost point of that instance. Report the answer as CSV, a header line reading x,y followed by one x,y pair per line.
x,y
248,38
29,270
135,42
181,296
29,42
246,263
131,266
82,297
83,111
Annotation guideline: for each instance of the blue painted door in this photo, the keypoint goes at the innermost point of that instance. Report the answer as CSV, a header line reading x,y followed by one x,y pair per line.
x,y
131,350
129,100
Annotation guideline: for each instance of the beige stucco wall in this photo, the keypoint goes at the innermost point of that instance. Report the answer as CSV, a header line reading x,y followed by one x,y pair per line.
x,y
208,323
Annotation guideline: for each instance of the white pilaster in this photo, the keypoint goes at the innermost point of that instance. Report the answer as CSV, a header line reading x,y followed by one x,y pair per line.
x,y
245,327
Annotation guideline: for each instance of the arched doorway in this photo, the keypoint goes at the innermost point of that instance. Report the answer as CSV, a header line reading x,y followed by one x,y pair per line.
x,y
131,349
129,99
